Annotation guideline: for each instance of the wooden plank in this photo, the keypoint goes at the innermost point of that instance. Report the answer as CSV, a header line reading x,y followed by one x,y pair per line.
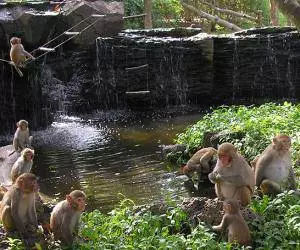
x,y
134,16
96,15
143,92
136,68
72,33
46,49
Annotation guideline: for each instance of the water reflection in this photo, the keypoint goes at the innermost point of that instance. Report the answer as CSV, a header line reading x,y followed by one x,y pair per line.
x,y
109,160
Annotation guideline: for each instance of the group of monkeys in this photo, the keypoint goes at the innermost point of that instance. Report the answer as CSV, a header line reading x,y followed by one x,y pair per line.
x,y
18,206
235,179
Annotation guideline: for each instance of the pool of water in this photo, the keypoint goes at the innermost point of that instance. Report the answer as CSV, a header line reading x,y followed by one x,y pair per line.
x,y
110,159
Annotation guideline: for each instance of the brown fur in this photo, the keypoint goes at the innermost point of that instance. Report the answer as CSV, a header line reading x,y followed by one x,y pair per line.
x,y
234,179
64,220
234,222
17,209
273,168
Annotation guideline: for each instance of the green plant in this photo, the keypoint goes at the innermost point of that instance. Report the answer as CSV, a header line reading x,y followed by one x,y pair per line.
x,y
256,126
14,244
278,224
165,13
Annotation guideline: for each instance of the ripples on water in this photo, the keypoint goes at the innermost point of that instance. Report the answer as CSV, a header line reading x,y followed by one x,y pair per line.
x,y
109,160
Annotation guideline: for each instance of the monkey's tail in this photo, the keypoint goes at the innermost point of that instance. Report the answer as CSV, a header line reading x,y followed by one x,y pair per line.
x,y
18,70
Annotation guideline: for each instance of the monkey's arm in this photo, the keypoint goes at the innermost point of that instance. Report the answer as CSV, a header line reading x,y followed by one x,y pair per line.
x,y
15,206
237,180
204,160
27,141
16,143
76,229
261,162
222,225
32,212
214,177
291,179
67,234
28,54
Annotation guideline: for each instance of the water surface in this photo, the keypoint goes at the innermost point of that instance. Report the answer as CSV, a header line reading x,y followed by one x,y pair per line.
x,y
110,158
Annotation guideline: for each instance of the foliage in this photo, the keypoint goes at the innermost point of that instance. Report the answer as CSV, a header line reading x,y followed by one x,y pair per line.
x,y
127,228
14,244
256,125
278,225
165,13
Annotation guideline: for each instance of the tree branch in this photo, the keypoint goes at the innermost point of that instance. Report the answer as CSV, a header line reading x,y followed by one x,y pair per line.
x,y
230,12
210,17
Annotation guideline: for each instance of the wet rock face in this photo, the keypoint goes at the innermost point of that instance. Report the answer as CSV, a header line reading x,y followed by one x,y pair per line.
x,y
184,68
52,82
139,69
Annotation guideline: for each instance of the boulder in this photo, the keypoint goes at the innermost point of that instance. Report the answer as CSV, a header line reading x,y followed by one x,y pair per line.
x,y
210,211
110,24
7,159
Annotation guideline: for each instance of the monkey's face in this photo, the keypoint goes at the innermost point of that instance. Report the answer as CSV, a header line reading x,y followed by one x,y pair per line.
x,y
225,159
28,156
30,186
23,126
285,144
80,204
15,40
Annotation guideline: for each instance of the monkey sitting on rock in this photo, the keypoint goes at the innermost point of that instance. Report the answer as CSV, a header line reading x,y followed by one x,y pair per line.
x,y
22,139
232,175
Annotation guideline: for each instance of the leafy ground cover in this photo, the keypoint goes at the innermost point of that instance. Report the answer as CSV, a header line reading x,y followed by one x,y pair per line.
x,y
257,125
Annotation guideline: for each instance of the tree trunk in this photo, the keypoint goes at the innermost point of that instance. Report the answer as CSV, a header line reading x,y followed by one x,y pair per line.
x,y
273,14
148,11
290,8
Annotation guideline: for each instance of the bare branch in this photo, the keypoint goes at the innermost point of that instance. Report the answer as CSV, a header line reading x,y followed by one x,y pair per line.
x,y
230,12
210,17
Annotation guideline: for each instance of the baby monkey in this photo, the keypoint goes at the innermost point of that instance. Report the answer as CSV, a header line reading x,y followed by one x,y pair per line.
x,y
18,55
234,223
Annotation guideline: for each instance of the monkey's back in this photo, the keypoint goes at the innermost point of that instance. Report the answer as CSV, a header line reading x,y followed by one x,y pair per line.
x,y
238,230
16,53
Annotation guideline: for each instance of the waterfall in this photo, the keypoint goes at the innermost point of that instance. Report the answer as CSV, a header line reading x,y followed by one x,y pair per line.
x,y
235,80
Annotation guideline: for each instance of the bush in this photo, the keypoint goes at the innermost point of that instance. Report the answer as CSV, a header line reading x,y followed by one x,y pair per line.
x,y
258,125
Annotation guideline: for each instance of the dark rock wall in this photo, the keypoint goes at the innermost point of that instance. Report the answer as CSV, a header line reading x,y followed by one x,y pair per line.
x,y
179,70
182,69
62,81
258,67
250,67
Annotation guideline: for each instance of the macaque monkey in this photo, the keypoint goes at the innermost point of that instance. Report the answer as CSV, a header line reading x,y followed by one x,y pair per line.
x,y
17,209
234,223
18,55
21,138
273,168
64,220
232,175
23,164
199,162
